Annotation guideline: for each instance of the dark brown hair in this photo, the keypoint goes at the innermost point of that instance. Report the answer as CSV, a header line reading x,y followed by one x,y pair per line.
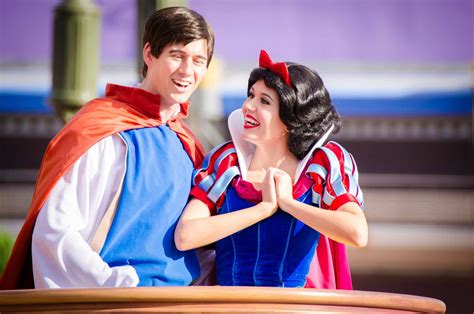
x,y
306,108
176,25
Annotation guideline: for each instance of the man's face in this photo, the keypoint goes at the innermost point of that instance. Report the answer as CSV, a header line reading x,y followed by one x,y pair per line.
x,y
177,72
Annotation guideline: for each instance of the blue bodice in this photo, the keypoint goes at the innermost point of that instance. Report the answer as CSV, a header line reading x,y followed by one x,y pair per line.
x,y
276,251
155,191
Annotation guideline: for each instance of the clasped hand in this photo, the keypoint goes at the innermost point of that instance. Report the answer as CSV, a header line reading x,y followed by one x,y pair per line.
x,y
277,188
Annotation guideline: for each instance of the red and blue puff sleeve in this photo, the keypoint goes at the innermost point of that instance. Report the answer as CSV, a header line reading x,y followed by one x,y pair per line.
x,y
213,176
335,177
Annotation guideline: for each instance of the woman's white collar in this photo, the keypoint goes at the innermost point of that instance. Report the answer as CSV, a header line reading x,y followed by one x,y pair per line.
x,y
245,150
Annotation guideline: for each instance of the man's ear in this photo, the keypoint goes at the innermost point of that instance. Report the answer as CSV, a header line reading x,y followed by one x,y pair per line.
x,y
147,55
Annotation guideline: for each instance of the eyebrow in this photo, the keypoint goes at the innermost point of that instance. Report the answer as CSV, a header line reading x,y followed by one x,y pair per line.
x,y
265,94
182,51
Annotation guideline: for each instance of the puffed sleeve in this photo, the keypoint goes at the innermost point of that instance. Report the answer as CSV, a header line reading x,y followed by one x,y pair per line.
x,y
335,176
213,176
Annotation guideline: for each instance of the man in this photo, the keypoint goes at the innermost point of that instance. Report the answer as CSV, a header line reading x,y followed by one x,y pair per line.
x,y
115,179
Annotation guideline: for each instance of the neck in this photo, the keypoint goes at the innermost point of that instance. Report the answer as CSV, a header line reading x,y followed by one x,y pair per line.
x,y
275,155
167,110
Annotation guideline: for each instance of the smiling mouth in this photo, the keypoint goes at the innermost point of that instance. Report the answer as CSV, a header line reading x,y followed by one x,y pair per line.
x,y
181,84
250,122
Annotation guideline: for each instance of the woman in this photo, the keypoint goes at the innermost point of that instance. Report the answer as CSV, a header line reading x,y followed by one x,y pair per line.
x,y
264,197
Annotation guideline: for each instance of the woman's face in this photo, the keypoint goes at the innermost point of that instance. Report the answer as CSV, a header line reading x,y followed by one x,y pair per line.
x,y
261,110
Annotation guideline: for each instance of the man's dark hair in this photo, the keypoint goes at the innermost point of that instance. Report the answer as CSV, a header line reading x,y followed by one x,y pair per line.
x,y
176,25
305,108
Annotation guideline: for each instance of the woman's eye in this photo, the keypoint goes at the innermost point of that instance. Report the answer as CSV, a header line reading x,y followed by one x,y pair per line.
x,y
250,96
265,102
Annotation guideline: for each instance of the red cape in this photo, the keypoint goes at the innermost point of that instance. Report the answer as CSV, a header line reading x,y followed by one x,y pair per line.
x,y
96,120
329,268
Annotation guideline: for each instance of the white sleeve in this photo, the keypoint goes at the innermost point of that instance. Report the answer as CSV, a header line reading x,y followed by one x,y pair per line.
x,y
62,256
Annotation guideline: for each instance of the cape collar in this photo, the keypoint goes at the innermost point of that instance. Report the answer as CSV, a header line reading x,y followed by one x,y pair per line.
x,y
142,101
245,150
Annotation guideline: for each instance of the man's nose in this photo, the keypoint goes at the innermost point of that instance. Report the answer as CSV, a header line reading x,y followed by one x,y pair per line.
x,y
186,66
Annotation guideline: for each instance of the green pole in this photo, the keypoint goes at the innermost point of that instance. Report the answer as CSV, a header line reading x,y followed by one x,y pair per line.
x,y
145,8
75,56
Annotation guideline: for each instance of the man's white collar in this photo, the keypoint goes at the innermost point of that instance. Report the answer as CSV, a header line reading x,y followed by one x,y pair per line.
x,y
245,150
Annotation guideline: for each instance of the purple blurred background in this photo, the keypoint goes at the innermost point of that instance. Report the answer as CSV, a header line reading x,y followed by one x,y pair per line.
x,y
415,31
372,54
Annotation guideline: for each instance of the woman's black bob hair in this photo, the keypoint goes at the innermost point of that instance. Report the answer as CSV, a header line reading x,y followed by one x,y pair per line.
x,y
305,108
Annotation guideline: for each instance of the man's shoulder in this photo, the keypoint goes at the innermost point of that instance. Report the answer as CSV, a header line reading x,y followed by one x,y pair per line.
x,y
97,119
106,111
104,102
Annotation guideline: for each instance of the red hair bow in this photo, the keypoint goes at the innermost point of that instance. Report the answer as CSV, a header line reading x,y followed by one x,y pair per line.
x,y
279,68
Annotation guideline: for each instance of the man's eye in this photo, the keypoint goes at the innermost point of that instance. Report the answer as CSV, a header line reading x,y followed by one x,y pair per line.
x,y
199,62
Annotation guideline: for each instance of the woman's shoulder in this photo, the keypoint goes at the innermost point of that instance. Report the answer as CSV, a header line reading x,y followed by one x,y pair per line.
x,y
213,176
217,155
332,152
335,147
336,176
219,161
332,158
221,148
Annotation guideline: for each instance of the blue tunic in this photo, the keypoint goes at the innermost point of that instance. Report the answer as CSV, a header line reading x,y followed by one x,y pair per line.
x,y
277,251
155,191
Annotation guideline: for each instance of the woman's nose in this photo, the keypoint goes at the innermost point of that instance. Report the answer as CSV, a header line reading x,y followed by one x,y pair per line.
x,y
248,105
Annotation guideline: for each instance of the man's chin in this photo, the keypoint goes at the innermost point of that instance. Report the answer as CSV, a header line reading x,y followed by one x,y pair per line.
x,y
182,98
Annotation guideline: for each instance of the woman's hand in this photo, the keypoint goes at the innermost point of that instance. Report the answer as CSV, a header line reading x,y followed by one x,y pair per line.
x,y
269,197
283,187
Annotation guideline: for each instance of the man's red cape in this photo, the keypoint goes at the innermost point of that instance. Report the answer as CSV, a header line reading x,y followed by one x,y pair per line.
x,y
96,120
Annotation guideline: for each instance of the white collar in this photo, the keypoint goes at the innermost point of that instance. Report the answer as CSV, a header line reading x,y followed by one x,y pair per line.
x,y
245,150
